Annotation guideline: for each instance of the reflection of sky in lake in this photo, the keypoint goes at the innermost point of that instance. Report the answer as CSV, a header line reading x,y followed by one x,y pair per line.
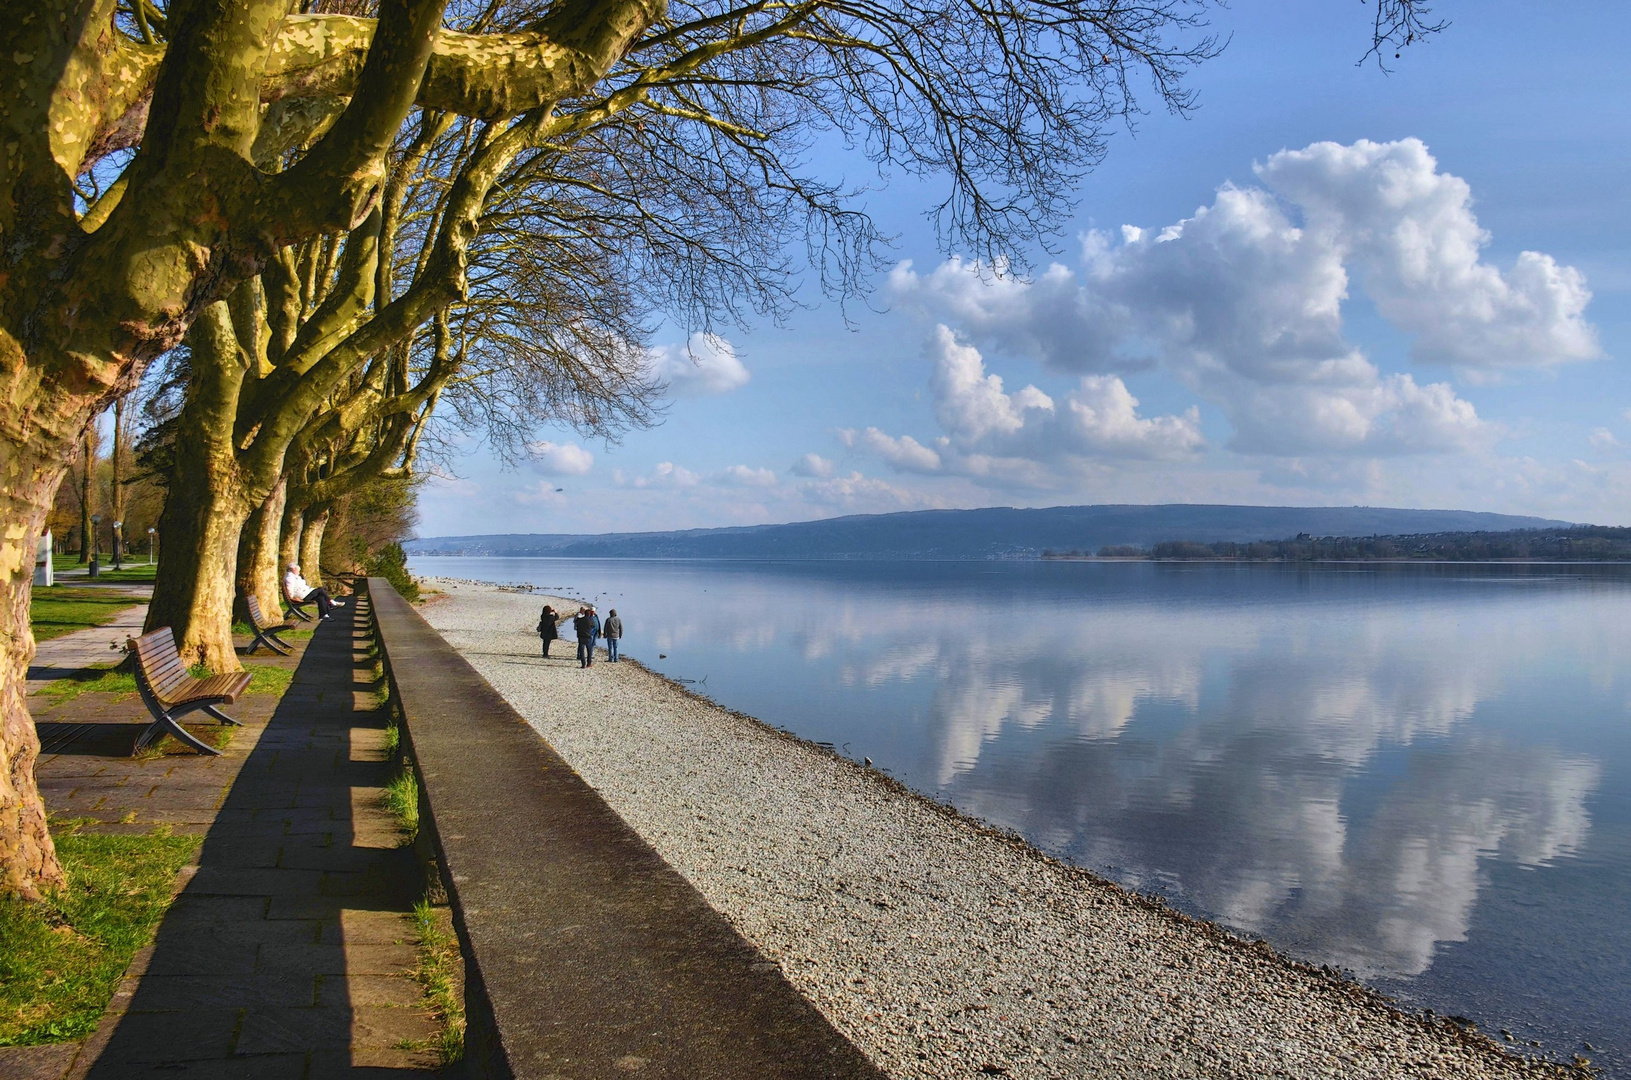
x,y
1417,773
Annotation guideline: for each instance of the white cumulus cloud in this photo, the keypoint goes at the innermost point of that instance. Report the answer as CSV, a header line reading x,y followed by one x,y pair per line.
x,y
859,493
903,452
666,474
560,459
1025,437
706,364
745,476
814,466
1242,301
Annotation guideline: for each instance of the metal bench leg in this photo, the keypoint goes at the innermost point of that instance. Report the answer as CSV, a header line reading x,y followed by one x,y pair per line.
x,y
271,641
223,717
147,736
164,725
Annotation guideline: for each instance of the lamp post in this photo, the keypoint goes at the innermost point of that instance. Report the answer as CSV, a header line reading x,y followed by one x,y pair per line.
x,y
118,544
150,532
96,543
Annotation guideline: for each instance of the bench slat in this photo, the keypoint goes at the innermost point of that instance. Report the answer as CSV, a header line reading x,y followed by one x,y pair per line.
x,y
168,678
258,617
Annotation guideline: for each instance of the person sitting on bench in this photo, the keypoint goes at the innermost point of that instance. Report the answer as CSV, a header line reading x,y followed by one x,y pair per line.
x,y
298,589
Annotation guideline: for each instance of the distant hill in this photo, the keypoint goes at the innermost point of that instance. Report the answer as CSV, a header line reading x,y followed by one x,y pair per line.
x,y
992,533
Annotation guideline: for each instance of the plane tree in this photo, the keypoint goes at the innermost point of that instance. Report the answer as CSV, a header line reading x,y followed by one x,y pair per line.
x,y
135,210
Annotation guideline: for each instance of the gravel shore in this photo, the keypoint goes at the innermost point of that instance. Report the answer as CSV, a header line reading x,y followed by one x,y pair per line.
x,y
940,947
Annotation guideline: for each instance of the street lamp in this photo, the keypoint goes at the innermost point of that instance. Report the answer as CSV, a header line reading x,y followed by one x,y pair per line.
x,y
96,543
150,532
118,544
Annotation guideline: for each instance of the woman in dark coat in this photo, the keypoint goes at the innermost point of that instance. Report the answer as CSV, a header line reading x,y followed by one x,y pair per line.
x,y
547,628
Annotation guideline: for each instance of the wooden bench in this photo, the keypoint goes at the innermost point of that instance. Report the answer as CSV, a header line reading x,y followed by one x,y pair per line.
x,y
170,693
266,632
297,608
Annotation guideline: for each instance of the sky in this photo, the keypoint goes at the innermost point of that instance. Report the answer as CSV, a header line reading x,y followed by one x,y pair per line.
x,y
1328,285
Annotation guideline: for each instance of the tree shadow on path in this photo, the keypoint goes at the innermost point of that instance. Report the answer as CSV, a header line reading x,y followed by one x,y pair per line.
x,y
288,952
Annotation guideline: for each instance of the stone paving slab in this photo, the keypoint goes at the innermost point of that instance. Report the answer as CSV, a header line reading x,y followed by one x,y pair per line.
x,y
289,949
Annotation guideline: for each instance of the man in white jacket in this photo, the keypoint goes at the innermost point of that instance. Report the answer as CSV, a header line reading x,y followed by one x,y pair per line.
x,y
298,589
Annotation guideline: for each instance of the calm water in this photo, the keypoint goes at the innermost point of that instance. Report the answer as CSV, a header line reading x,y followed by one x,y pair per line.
x,y
1415,773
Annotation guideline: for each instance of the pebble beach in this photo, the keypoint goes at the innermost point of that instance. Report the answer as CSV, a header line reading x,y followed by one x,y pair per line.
x,y
939,946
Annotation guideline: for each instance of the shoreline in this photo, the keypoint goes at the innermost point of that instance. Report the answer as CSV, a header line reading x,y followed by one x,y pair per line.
x,y
943,946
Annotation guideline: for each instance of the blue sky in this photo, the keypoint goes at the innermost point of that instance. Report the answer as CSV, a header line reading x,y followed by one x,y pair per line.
x,y
1338,287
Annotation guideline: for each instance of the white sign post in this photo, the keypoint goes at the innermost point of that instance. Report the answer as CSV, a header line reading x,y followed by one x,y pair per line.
x,y
42,561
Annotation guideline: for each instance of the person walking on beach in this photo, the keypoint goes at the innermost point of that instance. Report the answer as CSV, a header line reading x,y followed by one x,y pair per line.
x,y
548,627
299,590
583,626
614,630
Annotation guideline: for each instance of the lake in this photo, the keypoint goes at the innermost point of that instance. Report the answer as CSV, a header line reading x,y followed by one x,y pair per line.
x,y
1417,773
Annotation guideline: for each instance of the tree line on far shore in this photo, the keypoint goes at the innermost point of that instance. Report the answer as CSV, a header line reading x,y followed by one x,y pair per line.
x,y
1586,543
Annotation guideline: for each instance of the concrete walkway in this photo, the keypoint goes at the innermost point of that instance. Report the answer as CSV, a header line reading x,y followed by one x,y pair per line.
x,y
96,646
289,948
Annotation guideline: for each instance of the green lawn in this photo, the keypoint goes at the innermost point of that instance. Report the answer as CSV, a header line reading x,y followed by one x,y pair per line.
x,y
62,609
61,959
263,679
136,567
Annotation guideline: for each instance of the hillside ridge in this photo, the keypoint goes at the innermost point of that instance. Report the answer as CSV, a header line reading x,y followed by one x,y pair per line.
x,y
986,533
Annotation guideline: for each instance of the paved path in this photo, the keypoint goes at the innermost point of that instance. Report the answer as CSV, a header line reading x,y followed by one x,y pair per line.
x,y
287,952
97,646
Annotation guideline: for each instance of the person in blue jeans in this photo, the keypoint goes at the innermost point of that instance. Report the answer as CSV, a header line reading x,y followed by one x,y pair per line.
x,y
613,630
583,627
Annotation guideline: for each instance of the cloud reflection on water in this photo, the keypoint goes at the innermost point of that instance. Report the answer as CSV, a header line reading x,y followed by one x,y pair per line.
x,y
1269,806
1306,768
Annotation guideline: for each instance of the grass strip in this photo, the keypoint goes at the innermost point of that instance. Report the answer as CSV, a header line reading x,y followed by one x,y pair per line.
x,y
438,972
268,678
263,679
61,610
243,629
62,958
133,570
102,680
402,799
165,745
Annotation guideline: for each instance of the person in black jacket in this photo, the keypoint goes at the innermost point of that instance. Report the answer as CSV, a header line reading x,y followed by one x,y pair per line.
x,y
548,627
583,625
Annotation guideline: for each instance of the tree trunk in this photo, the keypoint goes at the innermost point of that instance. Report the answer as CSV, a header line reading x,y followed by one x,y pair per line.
x,y
207,505
192,594
258,568
29,476
311,542
114,490
294,520
86,462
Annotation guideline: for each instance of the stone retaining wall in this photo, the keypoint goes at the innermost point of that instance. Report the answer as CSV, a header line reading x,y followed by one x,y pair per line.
x,y
586,955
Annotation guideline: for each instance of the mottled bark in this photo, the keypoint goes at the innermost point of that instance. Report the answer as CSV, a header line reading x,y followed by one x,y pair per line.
x,y
258,568
207,504
193,597
87,461
28,482
289,541
311,541
115,488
